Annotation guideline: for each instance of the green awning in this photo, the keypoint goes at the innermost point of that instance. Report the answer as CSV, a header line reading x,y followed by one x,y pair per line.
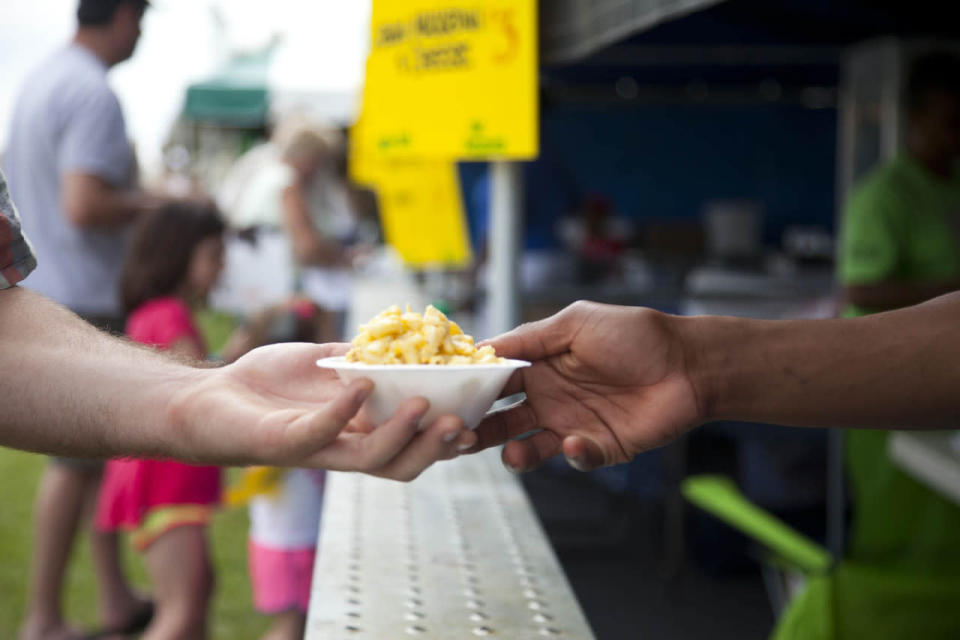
x,y
236,95
234,106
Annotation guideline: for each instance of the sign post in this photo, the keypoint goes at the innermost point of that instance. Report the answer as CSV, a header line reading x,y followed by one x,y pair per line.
x,y
506,194
451,80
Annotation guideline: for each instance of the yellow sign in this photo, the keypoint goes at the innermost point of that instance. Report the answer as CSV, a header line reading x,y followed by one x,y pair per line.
x,y
452,79
361,161
421,210
420,202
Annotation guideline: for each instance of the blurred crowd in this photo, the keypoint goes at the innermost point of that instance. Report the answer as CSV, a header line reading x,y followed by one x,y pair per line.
x,y
143,260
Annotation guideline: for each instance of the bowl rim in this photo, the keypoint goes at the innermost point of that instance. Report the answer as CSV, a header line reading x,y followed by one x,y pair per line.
x,y
339,362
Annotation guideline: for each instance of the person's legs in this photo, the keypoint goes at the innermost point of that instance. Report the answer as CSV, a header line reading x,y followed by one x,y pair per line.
x,y
119,604
289,625
59,504
281,580
182,575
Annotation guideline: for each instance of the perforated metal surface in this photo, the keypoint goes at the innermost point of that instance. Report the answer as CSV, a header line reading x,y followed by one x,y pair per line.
x,y
458,553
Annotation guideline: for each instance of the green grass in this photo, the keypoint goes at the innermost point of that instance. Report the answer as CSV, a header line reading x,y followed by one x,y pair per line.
x,y
232,617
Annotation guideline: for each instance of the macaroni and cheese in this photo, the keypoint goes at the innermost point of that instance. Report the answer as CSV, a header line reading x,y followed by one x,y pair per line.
x,y
406,337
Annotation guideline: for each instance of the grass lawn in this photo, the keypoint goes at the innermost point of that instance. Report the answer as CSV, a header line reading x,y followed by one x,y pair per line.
x,y
232,617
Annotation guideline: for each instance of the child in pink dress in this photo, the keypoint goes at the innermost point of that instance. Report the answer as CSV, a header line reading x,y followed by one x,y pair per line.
x,y
173,260
285,504
282,548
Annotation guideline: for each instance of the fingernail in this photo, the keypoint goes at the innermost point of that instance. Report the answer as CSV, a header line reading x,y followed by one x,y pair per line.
x,y
417,421
577,462
512,469
468,441
361,394
450,437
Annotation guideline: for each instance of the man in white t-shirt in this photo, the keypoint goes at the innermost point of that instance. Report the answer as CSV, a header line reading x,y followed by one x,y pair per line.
x,y
71,167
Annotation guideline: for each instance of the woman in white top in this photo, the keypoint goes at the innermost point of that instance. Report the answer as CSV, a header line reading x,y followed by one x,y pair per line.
x,y
319,220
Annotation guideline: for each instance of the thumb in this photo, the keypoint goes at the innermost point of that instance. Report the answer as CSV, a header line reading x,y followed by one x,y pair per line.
x,y
541,339
583,454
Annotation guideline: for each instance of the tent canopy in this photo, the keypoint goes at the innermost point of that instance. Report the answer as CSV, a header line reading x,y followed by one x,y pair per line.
x,y
236,95
573,30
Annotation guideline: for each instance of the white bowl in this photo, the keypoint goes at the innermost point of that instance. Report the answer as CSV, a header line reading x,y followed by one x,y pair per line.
x,y
465,390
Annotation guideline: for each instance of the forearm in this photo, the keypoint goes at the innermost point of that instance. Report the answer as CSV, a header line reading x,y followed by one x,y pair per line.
x,y
67,388
895,370
884,296
309,246
90,202
317,251
118,207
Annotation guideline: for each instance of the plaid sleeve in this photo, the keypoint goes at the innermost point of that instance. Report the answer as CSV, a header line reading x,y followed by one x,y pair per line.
x,y
16,254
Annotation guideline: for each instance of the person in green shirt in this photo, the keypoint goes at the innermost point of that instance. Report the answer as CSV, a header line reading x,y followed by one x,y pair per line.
x,y
900,245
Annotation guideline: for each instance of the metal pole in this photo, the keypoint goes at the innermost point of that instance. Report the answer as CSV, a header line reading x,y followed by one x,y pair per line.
x,y
836,493
504,246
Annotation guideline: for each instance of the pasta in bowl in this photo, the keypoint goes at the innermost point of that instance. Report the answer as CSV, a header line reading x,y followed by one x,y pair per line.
x,y
406,354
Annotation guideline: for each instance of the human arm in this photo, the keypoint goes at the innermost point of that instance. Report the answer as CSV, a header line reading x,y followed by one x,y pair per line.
x,y
69,389
309,247
894,370
89,201
97,164
610,382
895,294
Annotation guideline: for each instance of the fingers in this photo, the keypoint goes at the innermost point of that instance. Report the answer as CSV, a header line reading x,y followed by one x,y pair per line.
x,y
501,426
396,449
528,454
331,349
514,384
440,441
307,361
543,338
298,361
309,431
373,451
583,454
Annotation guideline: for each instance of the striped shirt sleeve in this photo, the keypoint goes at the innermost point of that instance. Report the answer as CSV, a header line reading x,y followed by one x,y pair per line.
x,y
16,254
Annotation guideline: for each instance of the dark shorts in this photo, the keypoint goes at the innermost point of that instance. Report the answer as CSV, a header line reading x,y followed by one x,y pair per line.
x,y
113,325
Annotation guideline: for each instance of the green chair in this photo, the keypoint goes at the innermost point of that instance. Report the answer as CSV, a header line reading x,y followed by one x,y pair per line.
x,y
827,599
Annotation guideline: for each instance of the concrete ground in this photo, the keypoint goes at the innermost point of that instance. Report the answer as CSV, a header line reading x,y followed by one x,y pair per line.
x,y
636,580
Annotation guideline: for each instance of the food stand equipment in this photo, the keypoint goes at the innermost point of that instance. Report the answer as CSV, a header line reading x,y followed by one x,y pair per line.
x,y
458,553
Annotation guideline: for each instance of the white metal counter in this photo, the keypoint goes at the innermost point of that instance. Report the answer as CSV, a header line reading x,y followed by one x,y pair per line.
x,y
459,553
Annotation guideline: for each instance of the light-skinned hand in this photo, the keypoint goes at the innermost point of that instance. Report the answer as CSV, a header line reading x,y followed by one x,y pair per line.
x,y
297,414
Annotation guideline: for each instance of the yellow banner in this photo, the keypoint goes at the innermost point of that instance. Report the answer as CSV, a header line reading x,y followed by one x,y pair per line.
x,y
452,79
421,210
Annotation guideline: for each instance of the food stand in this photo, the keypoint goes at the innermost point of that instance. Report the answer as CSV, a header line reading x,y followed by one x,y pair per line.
x,y
457,554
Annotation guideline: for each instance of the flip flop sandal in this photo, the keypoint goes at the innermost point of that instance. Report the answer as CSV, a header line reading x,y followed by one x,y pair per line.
x,y
138,623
